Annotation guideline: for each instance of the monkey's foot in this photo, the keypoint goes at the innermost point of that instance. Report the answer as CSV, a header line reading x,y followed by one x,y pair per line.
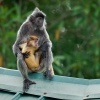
x,y
48,74
26,84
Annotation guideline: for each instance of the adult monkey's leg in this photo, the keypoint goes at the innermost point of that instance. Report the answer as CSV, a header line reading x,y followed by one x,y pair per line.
x,y
47,60
24,71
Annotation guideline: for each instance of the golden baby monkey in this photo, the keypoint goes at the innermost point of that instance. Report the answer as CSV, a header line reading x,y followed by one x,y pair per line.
x,y
33,59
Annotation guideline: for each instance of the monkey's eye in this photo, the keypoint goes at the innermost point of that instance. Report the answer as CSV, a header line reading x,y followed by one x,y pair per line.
x,y
37,39
39,18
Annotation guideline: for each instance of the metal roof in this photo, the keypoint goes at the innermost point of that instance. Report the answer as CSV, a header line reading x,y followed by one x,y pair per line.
x,y
60,87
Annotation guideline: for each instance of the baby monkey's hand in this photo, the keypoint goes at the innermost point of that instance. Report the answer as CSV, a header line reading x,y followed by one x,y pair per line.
x,y
26,54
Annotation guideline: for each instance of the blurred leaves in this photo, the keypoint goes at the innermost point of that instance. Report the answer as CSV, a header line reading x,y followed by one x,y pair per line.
x,y
73,27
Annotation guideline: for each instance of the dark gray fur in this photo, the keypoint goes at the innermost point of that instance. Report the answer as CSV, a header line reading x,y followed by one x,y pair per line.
x,y
34,25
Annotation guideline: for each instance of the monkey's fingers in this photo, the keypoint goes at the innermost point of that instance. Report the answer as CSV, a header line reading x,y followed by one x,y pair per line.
x,y
25,87
26,84
32,82
26,54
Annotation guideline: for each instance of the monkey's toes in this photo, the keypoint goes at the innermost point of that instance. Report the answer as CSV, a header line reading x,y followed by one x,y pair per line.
x,y
26,84
48,75
32,82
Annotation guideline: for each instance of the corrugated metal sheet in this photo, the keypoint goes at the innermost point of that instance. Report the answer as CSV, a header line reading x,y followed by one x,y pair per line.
x,y
59,88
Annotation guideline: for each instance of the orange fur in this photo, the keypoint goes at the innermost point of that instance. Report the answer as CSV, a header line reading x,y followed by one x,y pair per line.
x,y
33,60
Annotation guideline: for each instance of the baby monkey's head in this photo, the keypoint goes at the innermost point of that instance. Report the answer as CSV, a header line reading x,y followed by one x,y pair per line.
x,y
33,42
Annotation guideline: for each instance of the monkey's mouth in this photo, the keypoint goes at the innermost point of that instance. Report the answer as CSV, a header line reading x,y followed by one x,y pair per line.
x,y
36,46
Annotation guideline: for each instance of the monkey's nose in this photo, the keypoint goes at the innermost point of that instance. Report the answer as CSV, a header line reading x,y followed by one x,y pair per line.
x,y
36,41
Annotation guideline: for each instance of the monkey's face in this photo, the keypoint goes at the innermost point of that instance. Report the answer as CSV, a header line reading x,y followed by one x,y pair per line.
x,y
33,42
37,18
39,21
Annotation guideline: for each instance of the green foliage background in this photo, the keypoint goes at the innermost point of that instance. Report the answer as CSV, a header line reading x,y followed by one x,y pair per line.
x,y
73,26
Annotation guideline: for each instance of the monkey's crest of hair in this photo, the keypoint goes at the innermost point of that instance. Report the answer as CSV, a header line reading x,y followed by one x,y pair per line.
x,y
38,12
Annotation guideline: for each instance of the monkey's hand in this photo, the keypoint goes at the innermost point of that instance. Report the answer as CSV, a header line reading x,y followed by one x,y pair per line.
x,y
26,55
26,84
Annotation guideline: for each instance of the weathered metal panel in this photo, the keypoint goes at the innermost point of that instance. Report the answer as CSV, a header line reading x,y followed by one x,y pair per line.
x,y
59,87
5,95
